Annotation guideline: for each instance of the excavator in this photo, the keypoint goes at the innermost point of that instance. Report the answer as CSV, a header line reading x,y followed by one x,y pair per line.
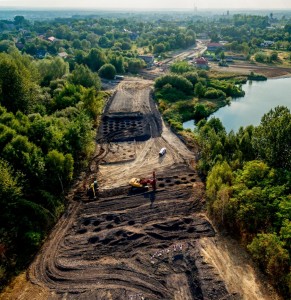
x,y
93,190
143,183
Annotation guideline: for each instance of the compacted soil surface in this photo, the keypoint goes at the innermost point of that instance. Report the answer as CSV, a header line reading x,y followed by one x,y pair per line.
x,y
138,244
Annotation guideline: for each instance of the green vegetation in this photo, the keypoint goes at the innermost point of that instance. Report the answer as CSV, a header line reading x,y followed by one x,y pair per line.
x,y
190,94
47,117
248,187
257,77
107,71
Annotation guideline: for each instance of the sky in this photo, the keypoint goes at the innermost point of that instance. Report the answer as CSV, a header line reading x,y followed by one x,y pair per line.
x,y
150,4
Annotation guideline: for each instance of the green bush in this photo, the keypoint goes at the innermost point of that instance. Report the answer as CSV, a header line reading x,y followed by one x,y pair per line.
x,y
107,71
176,81
170,93
212,93
181,67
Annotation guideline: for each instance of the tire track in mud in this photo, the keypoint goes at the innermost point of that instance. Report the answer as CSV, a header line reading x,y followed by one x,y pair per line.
x,y
133,246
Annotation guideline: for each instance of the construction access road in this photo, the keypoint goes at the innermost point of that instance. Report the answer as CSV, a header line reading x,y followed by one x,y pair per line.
x,y
155,244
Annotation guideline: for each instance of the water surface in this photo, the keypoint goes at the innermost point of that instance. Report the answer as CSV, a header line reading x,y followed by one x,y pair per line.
x,y
260,97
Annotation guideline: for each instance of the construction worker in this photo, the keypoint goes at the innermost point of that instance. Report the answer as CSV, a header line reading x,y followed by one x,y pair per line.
x,y
93,189
96,185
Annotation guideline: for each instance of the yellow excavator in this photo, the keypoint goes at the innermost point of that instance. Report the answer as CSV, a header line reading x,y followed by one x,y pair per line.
x,y
92,190
142,183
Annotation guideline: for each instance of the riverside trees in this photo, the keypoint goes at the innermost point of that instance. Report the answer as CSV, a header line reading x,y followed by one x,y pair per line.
x,y
248,187
187,93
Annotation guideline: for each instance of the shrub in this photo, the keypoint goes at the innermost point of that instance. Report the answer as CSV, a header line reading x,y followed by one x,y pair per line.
x,y
176,81
212,93
107,71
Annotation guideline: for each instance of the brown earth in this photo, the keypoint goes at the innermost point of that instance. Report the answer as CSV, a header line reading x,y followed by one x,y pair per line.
x,y
243,67
130,245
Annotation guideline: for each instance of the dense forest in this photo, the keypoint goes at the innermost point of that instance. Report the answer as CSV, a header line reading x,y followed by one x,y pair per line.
x,y
248,187
51,100
47,117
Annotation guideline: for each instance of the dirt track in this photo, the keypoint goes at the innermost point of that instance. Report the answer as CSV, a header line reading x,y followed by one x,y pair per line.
x,y
124,245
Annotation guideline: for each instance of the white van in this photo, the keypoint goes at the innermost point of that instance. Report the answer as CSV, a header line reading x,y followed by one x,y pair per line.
x,y
162,151
118,77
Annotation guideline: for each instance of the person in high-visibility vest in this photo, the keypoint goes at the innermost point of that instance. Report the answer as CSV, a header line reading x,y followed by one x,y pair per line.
x,y
93,189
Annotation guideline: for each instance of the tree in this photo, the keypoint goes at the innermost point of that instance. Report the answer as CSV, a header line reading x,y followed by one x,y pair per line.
x,y
159,48
125,45
200,112
19,20
135,65
176,81
117,62
26,157
63,32
60,166
199,90
95,59
93,103
10,187
107,71
82,75
79,136
269,252
104,42
212,93
181,67
69,95
221,174
5,45
274,56
192,77
261,57
51,69
17,91
272,138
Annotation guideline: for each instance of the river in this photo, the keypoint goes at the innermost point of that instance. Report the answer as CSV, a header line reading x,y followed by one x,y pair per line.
x,y
260,97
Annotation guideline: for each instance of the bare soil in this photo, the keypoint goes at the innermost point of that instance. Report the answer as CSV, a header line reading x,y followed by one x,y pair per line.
x,y
242,67
130,245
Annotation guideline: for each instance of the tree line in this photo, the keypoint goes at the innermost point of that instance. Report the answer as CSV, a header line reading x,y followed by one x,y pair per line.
x,y
47,119
248,177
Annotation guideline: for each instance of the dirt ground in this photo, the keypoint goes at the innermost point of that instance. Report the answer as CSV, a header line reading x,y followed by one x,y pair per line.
x,y
243,67
138,245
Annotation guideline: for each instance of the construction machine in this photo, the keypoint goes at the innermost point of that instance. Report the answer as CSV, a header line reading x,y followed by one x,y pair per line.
x,y
92,190
143,183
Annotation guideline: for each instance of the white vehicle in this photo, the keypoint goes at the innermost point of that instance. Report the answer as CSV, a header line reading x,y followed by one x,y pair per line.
x,y
162,151
118,77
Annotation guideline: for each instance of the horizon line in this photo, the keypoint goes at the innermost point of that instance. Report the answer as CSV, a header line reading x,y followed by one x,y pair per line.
x,y
139,9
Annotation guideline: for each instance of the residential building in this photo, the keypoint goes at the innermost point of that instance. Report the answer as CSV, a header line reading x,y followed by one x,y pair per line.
x,y
149,59
214,46
201,63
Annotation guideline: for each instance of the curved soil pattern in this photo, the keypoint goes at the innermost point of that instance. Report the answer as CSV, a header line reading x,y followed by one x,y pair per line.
x,y
127,245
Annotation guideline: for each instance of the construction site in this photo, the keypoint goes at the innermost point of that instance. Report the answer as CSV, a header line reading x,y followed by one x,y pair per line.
x,y
143,234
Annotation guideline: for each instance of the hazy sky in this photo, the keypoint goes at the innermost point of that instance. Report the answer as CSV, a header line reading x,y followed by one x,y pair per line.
x,y
148,4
